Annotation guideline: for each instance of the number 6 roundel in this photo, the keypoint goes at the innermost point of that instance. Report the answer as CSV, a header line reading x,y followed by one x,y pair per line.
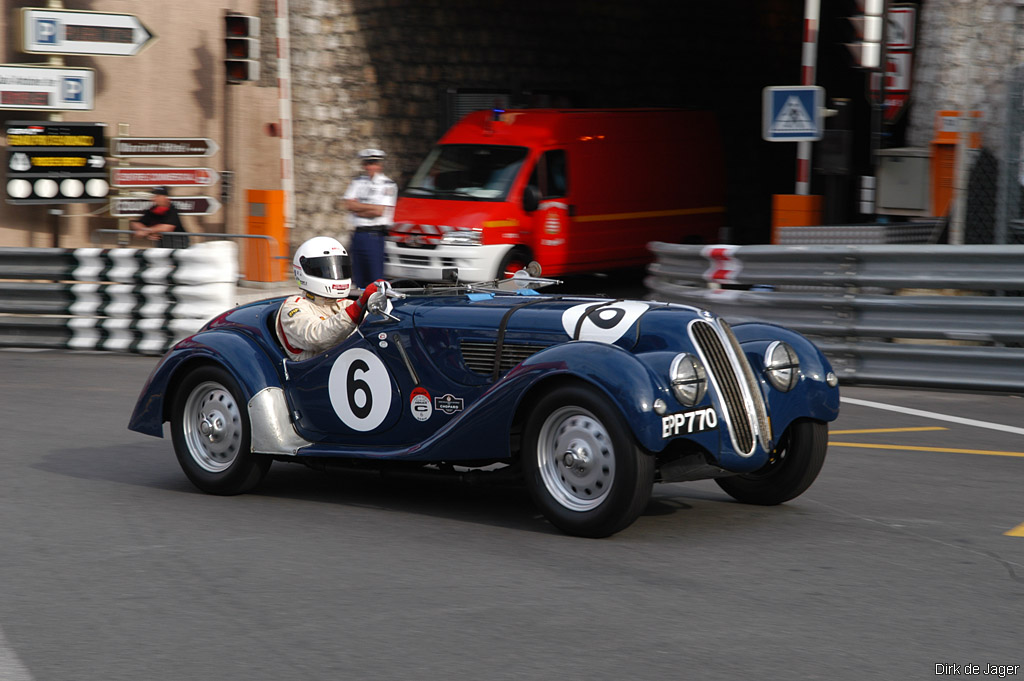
x,y
360,389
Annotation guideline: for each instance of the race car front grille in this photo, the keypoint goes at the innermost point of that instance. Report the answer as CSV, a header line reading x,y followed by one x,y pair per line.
x,y
745,413
479,356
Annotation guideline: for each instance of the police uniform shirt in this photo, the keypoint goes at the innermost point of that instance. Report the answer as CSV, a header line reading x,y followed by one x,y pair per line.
x,y
379,191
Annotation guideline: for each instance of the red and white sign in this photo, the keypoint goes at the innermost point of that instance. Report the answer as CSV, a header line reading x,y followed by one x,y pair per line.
x,y
901,27
723,267
169,177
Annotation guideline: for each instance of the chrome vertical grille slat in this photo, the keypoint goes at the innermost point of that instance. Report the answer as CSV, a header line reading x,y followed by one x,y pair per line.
x,y
764,425
735,383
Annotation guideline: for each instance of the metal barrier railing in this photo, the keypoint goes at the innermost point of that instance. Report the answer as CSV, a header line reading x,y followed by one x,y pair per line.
x,y
930,315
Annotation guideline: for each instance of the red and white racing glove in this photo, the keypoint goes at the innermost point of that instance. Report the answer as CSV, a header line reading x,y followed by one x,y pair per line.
x,y
356,309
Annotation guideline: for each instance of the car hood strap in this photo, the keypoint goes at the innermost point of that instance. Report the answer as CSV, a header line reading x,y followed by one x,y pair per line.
x,y
496,371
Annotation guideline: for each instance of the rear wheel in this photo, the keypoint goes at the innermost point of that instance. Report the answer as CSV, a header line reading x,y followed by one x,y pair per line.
x,y
211,434
794,465
582,466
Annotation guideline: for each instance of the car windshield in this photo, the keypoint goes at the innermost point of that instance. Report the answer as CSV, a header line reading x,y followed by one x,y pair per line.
x,y
475,172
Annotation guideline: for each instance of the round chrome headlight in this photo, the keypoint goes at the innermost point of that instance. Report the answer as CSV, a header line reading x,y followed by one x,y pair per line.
x,y
688,378
782,366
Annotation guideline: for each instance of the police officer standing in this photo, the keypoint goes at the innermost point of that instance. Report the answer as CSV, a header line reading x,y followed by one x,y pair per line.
x,y
371,201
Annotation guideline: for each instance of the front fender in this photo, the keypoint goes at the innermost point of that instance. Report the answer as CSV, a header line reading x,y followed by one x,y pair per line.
x,y
240,355
624,379
812,397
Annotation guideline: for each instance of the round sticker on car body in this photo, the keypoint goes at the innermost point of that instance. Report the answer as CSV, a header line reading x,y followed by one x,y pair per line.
x,y
360,389
604,323
419,404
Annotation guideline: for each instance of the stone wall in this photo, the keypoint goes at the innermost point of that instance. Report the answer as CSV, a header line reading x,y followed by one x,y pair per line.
x,y
964,55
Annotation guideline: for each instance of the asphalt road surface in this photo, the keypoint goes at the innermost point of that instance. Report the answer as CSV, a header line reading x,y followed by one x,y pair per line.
x,y
905,555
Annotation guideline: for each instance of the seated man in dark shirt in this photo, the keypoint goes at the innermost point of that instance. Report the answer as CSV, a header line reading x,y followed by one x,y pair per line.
x,y
161,222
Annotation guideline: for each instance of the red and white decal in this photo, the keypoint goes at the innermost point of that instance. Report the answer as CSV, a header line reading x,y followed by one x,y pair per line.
x,y
419,235
419,404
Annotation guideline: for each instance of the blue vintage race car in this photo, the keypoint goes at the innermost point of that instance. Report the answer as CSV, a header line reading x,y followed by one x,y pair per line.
x,y
588,401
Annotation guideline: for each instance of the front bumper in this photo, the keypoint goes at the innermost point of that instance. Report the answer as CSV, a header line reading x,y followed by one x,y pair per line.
x,y
475,263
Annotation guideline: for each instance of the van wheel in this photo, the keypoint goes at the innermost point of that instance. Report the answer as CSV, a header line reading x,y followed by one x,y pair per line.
x,y
515,260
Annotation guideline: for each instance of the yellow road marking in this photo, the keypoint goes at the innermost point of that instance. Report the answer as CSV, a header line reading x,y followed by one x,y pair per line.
x,y
926,449
1016,532
886,430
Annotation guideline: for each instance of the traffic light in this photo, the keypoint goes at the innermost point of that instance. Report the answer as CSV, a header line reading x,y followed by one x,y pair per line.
x,y
867,51
241,48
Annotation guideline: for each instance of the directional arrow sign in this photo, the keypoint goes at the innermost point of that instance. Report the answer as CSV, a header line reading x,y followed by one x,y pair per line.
x,y
55,88
171,177
133,147
57,163
52,31
127,206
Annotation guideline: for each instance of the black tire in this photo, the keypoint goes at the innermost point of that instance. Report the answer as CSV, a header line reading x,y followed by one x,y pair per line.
x,y
212,436
608,482
794,465
516,259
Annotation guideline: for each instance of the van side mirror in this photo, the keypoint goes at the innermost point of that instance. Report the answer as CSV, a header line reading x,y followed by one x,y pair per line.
x,y
531,198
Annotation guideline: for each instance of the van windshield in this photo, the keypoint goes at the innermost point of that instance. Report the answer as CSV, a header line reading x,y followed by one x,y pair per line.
x,y
474,172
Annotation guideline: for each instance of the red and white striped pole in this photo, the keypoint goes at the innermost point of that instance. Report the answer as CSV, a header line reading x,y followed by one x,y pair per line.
x,y
808,66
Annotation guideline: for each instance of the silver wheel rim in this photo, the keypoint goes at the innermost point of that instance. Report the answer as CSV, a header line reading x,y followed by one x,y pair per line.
x,y
576,458
212,427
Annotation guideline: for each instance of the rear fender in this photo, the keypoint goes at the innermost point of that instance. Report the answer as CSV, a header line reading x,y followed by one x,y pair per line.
x,y
239,355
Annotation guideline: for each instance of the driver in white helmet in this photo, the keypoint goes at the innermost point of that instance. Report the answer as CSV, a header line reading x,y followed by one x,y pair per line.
x,y
309,323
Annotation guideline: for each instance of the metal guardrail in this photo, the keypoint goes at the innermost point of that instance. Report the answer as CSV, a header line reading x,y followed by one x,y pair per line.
x,y
936,316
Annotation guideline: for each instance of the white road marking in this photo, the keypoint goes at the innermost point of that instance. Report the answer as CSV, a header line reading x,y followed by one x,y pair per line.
x,y
933,415
11,668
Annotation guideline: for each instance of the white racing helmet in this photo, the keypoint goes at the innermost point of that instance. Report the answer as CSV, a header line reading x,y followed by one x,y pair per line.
x,y
322,267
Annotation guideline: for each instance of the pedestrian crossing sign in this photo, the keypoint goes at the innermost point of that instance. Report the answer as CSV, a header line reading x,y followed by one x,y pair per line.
x,y
793,113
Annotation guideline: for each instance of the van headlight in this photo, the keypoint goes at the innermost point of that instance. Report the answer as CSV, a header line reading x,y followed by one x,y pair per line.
x,y
688,379
781,366
462,237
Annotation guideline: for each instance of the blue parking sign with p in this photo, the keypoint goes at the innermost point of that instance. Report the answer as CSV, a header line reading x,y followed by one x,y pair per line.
x,y
46,31
72,89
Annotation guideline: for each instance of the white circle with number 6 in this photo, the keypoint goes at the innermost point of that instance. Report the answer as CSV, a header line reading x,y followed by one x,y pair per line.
x,y
360,389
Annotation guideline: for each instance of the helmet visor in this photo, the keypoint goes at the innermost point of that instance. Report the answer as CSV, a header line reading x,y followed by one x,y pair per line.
x,y
327,266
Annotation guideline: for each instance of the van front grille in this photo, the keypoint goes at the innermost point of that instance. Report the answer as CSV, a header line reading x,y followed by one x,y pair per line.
x,y
479,356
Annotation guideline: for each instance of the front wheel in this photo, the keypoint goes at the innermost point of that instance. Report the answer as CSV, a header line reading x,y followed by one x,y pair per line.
x,y
516,259
211,434
793,466
582,466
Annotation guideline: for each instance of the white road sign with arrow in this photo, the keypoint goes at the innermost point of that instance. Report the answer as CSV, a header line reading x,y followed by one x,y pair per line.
x,y
59,31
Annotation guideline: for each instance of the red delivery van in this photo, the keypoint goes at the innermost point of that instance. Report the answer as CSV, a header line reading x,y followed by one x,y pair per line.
x,y
578,190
